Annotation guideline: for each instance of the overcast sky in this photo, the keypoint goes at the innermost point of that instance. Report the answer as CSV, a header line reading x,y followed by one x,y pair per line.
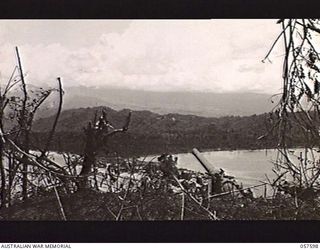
x,y
171,55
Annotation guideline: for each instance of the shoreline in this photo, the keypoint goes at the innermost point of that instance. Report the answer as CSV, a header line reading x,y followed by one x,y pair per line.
x,y
208,150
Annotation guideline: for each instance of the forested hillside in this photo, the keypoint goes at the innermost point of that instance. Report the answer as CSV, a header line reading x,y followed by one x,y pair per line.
x,y
151,133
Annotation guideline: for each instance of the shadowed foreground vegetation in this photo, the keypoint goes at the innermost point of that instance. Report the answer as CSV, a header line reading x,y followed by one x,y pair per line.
x,y
92,205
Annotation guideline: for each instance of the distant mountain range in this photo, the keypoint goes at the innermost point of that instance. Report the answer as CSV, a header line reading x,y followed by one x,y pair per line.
x,y
194,103
204,104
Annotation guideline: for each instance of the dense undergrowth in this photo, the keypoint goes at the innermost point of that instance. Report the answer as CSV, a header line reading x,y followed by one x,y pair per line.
x,y
96,206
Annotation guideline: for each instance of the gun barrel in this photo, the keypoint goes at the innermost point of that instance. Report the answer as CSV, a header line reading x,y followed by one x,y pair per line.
x,y
210,169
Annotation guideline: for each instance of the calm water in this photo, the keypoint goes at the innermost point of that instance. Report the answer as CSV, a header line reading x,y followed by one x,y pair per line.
x,y
248,166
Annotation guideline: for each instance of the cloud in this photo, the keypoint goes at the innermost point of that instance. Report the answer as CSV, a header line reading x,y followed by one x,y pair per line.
x,y
215,55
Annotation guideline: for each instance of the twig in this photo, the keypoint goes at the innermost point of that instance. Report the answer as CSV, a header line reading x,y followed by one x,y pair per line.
x,y
138,212
274,43
236,191
123,200
59,200
211,214
182,206
56,118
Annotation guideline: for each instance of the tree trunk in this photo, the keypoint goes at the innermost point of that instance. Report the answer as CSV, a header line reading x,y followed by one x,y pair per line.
x,y
10,167
89,158
3,177
25,167
2,171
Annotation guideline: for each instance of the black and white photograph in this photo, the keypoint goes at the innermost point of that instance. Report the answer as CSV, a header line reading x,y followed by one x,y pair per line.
x,y
160,120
